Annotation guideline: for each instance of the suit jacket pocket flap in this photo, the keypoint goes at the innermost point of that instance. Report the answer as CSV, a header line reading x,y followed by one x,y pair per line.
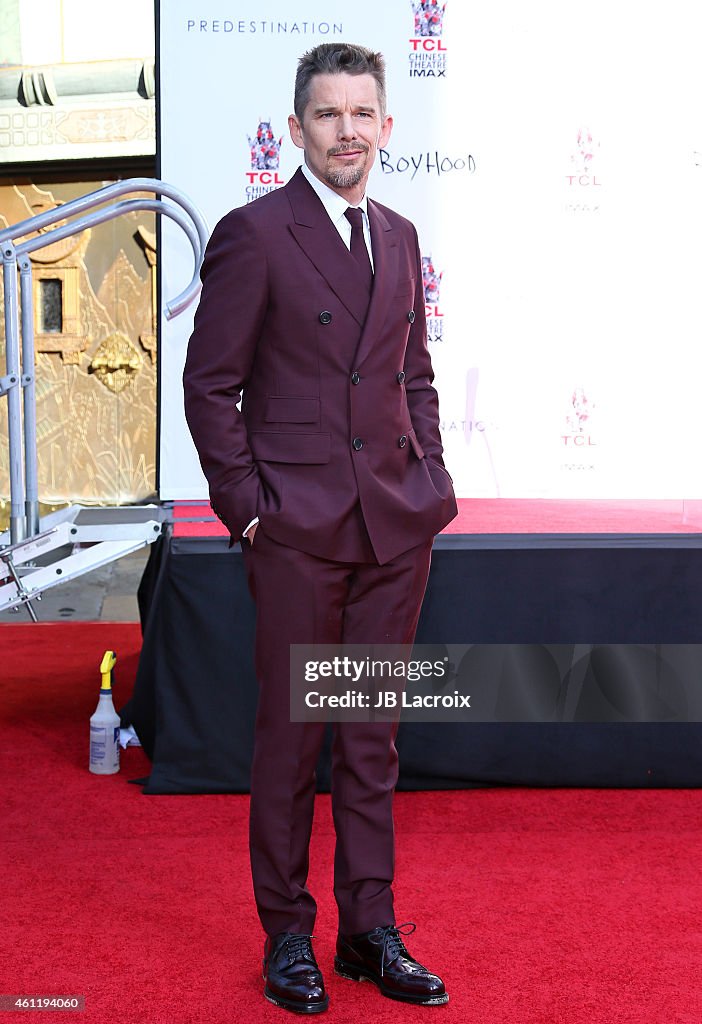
x,y
405,288
291,409
276,446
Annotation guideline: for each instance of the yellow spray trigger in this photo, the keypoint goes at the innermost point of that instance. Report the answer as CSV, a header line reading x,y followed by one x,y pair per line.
x,y
109,659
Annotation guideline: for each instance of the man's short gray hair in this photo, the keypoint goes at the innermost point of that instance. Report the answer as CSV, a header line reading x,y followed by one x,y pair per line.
x,y
335,59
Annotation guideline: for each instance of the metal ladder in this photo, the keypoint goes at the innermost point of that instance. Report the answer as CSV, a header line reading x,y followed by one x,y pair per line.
x,y
34,554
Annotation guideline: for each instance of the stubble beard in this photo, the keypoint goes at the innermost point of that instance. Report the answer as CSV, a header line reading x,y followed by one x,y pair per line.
x,y
347,177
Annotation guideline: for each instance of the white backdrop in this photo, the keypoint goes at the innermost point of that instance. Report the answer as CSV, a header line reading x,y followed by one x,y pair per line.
x,y
550,154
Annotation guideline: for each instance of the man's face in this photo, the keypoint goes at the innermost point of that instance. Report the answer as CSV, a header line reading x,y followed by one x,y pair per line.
x,y
341,130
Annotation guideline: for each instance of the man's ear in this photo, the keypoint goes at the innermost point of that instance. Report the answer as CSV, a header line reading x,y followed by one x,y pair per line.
x,y
385,131
295,129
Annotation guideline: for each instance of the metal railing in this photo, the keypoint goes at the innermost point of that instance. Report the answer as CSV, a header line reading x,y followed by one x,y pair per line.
x,y
18,384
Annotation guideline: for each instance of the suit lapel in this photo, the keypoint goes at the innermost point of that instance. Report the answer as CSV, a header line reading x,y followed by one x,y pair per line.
x,y
385,272
323,246
321,243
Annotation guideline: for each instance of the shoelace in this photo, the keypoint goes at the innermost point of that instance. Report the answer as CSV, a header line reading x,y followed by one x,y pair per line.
x,y
390,938
299,947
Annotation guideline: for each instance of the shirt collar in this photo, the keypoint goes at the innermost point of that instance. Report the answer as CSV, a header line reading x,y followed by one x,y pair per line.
x,y
333,203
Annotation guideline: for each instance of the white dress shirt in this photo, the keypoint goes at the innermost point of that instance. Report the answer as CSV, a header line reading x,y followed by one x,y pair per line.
x,y
336,206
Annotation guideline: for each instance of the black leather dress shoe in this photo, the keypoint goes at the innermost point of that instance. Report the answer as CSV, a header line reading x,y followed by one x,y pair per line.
x,y
380,956
292,976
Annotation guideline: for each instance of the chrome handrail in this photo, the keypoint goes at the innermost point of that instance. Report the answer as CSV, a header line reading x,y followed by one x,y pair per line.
x,y
19,358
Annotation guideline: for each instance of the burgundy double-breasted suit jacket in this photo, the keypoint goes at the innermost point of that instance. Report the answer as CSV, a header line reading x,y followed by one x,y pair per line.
x,y
336,445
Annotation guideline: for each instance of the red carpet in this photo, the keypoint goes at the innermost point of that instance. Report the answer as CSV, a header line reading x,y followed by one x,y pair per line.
x,y
539,907
512,515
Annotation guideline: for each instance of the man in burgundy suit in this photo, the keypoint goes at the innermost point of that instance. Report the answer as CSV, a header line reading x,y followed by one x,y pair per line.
x,y
331,475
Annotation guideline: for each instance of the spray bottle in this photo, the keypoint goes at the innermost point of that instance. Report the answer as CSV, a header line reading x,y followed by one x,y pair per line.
x,y
104,724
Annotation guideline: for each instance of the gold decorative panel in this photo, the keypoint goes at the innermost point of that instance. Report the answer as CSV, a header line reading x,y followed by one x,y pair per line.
x,y
69,341
116,362
96,372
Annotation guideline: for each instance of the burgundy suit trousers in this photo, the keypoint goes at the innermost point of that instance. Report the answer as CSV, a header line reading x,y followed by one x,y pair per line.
x,y
302,599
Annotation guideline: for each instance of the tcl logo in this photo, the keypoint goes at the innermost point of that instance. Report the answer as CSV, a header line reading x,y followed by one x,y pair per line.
x,y
582,179
578,441
264,178
427,44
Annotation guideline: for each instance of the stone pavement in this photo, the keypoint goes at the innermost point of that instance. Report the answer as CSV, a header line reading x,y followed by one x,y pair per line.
x,y
106,594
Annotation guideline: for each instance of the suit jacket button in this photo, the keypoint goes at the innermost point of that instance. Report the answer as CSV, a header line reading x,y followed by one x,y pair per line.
x,y
403,441
401,377
357,444
325,317
410,316
355,377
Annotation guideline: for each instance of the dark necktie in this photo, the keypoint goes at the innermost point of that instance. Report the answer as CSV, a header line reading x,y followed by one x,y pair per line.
x,y
359,250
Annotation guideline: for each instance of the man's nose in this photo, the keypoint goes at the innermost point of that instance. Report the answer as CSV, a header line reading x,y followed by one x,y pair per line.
x,y
347,127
